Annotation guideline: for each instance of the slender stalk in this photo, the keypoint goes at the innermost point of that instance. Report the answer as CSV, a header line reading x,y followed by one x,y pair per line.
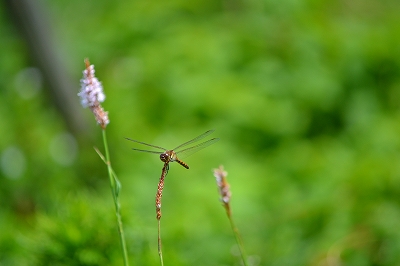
x,y
159,243
115,188
238,239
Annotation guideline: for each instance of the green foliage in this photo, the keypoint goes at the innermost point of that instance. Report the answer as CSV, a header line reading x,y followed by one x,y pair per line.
x,y
304,95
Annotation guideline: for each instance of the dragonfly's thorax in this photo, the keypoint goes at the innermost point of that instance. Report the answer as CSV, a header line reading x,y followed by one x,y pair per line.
x,y
168,156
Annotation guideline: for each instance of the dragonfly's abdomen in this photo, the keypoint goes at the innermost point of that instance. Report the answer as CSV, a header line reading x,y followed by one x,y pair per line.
x,y
182,163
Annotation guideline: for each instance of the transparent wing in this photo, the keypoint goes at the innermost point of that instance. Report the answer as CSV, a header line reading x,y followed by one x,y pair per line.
x,y
189,151
205,134
153,146
156,152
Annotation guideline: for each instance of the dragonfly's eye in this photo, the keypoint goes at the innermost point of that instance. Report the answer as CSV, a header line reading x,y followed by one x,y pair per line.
x,y
164,157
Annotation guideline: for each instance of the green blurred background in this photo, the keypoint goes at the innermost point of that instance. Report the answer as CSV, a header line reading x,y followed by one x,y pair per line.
x,y
305,96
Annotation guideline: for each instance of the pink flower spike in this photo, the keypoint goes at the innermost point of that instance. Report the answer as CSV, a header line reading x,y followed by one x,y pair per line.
x,y
92,95
91,89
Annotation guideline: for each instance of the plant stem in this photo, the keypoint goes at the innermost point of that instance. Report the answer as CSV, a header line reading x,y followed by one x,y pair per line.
x,y
159,243
115,188
238,240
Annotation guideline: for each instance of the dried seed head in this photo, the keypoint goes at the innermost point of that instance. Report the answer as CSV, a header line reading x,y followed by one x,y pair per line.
x,y
100,115
92,95
160,188
223,186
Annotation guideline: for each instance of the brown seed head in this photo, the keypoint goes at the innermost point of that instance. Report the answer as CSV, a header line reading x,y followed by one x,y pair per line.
x,y
223,186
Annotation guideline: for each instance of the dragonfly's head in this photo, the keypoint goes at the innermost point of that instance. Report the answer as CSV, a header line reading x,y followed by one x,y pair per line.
x,y
168,156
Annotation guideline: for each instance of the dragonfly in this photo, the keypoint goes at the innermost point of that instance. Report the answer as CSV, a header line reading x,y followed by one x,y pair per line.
x,y
182,150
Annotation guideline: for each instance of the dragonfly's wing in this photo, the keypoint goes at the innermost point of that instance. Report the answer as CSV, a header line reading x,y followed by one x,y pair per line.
x,y
156,152
205,134
189,151
153,146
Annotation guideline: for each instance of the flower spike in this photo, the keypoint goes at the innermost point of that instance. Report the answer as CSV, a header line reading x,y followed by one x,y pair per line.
x,y
92,95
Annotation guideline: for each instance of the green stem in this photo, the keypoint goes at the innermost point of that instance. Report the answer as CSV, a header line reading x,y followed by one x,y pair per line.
x,y
238,240
159,243
115,187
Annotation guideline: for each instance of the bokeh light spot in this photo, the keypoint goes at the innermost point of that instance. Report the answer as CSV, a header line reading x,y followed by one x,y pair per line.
x,y
13,162
63,149
28,82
